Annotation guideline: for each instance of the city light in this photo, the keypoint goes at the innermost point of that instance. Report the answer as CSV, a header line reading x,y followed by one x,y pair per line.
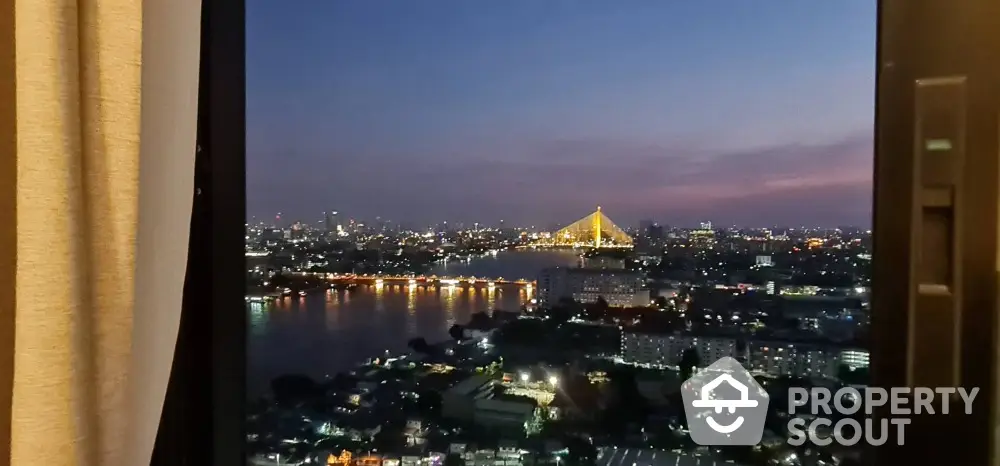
x,y
553,380
525,377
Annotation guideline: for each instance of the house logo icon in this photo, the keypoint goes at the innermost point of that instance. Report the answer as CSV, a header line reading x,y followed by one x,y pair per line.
x,y
724,405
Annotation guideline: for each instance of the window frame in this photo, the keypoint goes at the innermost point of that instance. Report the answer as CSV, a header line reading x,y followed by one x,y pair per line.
x,y
204,410
920,40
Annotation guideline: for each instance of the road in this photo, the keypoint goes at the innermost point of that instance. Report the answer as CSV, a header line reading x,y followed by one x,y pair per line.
x,y
649,457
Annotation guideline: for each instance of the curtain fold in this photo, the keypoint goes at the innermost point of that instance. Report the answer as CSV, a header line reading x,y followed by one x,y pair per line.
x,y
171,51
8,212
78,70
71,103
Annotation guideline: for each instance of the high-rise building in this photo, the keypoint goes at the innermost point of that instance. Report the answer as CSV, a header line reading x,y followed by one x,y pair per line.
x,y
650,237
703,237
331,221
297,231
644,225
654,233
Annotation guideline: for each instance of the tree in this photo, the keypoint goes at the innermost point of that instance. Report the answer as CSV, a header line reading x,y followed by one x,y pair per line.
x,y
661,302
342,381
560,314
630,406
602,304
388,439
280,281
294,388
851,376
429,403
741,346
456,332
567,302
689,360
419,345
581,452
480,320
788,323
851,461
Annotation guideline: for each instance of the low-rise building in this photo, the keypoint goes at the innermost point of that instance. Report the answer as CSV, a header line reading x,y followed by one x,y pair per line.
x,y
459,401
664,350
768,357
512,415
507,454
472,400
794,359
620,288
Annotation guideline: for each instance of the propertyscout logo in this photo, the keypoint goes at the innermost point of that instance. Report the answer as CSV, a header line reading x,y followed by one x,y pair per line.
x,y
725,405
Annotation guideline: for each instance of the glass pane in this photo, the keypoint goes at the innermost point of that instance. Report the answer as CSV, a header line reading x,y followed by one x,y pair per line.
x,y
523,232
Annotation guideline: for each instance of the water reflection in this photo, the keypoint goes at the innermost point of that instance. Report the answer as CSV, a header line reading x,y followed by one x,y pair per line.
x,y
449,304
491,298
379,301
328,332
332,309
411,309
258,318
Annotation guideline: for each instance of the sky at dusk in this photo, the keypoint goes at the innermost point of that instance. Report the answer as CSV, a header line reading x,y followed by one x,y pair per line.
x,y
752,113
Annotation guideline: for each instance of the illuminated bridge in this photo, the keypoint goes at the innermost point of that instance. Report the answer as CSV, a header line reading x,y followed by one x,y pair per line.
x,y
595,230
419,280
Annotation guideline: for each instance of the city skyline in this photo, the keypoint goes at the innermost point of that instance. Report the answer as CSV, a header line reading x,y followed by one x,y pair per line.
x,y
281,220
535,112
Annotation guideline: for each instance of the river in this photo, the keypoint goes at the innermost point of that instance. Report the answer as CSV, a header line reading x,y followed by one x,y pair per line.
x,y
322,334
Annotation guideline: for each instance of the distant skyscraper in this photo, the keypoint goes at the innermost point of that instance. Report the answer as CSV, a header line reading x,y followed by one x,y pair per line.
x,y
297,231
655,234
331,221
650,234
703,238
644,226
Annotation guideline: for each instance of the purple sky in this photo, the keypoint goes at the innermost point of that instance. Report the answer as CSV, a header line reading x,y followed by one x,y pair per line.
x,y
535,111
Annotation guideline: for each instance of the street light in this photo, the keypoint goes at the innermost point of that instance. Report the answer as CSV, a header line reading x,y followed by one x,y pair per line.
x,y
524,377
554,380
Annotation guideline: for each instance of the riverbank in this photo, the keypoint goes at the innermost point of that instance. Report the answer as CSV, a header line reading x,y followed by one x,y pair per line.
x,y
324,333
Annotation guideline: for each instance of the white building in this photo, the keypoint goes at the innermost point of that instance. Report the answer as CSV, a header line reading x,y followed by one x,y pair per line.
x,y
618,287
854,359
664,350
507,454
774,358
794,359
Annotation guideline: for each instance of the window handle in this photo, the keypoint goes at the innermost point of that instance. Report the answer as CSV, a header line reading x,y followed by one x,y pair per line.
x,y
935,304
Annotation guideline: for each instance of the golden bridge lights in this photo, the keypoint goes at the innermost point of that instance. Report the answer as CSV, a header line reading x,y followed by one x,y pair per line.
x,y
595,230
423,281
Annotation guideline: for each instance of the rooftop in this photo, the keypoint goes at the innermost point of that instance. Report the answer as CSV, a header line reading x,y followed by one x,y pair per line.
x,y
469,385
623,456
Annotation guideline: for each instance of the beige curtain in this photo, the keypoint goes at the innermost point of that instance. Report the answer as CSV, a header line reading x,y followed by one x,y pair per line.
x,y
71,111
